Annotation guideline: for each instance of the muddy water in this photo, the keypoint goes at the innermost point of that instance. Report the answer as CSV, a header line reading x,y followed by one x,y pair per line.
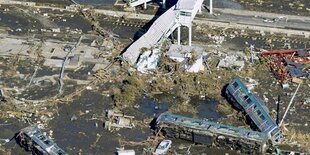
x,y
80,135
8,128
152,107
206,109
73,22
19,25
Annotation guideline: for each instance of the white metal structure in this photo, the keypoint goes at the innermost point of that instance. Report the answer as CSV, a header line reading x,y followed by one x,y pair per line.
x,y
181,14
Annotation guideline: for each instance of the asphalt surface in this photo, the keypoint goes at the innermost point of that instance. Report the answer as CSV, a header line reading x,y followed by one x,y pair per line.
x,y
262,19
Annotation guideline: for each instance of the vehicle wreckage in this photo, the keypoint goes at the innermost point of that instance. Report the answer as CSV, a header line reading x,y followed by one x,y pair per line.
x,y
254,108
213,134
216,134
32,139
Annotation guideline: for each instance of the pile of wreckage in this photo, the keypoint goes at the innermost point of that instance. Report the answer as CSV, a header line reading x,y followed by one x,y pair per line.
x,y
33,139
289,65
190,57
117,120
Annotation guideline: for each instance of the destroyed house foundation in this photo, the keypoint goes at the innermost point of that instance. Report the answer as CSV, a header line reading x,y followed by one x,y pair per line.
x,y
213,134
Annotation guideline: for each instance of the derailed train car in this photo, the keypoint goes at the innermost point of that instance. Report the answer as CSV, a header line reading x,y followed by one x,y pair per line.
x,y
210,133
251,105
32,139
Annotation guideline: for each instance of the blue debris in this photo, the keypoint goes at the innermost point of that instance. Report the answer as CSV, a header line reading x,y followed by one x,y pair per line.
x,y
296,65
295,72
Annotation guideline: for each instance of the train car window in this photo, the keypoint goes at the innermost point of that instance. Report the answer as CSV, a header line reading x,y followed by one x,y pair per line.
x,y
245,97
274,132
235,84
249,101
262,117
258,112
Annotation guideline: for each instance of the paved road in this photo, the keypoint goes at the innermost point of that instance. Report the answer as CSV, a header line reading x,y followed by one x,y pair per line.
x,y
263,19
230,18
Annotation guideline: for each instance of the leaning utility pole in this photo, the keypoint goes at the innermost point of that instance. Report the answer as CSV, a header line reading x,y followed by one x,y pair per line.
x,y
289,105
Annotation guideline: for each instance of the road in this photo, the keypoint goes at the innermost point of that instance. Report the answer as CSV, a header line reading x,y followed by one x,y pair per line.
x,y
229,18
260,21
264,19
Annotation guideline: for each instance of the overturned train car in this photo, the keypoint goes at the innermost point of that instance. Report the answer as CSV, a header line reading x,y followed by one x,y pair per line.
x,y
213,134
251,105
32,139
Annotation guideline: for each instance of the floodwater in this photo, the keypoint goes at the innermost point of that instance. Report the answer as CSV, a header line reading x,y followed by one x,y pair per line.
x,y
151,107
73,22
206,109
17,23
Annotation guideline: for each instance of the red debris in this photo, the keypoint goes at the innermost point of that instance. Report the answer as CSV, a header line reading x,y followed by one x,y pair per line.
x,y
276,60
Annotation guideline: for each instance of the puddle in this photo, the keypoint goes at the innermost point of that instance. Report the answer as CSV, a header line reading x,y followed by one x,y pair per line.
x,y
150,106
207,109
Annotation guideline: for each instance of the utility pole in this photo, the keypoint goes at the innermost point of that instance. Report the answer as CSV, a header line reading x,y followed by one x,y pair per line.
x,y
211,7
252,53
164,4
278,109
145,6
289,105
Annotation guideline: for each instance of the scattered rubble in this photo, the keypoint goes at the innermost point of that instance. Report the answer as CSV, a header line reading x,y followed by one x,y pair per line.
x,y
117,120
34,140
126,152
234,61
148,60
288,64
191,57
